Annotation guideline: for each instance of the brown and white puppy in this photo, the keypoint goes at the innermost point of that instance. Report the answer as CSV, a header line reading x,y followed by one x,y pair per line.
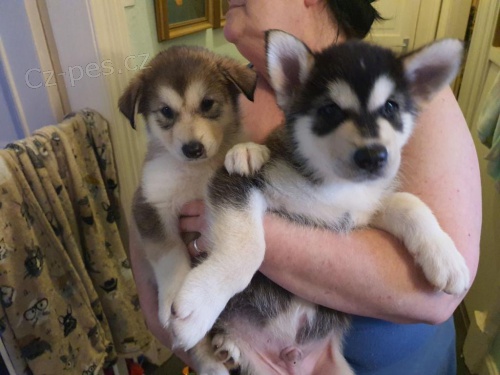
x,y
188,97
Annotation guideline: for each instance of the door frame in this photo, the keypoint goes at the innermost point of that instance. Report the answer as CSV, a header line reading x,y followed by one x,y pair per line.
x,y
57,94
478,56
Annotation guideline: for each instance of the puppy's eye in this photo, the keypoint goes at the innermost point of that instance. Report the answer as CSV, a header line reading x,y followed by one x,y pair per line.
x,y
167,112
390,109
329,117
206,105
332,112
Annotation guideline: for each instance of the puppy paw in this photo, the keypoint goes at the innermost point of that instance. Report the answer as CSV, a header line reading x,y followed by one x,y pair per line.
x,y
246,158
194,311
213,369
444,266
226,351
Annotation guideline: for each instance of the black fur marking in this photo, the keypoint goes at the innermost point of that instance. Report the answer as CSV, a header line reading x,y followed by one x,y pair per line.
x,y
366,125
283,145
147,219
361,66
233,190
330,117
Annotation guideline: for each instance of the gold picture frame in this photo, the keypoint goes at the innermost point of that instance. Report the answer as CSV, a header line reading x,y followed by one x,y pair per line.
x,y
175,18
221,7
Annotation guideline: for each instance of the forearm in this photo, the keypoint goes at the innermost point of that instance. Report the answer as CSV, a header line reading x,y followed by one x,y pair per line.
x,y
366,272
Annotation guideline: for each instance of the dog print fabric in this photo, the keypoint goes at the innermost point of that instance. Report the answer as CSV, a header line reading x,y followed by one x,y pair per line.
x,y
69,302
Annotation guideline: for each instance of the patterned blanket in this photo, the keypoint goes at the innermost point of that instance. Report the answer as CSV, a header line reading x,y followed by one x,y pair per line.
x,y
69,302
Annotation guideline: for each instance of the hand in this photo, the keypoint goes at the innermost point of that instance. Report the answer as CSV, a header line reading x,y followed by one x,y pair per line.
x,y
192,220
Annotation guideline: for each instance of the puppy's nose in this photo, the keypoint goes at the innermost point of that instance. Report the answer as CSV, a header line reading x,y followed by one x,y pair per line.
x,y
193,150
371,158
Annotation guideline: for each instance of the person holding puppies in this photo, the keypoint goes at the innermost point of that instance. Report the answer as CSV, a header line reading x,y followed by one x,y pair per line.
x,y
401,325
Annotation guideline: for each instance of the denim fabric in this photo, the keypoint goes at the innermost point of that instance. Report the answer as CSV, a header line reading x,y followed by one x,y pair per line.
x,y
376,347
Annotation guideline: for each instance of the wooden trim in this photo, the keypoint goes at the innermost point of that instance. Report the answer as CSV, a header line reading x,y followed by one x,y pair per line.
x,y
189,28
57,93
166,31
113,43
477,60
219,16
44,56
494,55
218,19
46,46
161,15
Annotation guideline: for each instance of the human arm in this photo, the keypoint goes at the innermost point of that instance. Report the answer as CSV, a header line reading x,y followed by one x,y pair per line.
x,y
148,292
370,273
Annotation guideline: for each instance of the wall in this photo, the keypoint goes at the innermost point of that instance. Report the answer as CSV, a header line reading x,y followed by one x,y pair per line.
x,y
142,28
24,101
74,38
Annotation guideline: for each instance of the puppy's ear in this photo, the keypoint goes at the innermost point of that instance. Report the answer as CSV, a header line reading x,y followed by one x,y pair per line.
x,y
129,98
289,62
431,68
244,78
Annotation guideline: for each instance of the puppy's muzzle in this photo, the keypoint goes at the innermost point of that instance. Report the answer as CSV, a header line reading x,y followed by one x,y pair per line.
x,y
194,150
371,158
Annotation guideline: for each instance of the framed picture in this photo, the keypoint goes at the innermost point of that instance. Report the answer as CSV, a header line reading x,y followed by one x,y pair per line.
x,y
175,18
221,7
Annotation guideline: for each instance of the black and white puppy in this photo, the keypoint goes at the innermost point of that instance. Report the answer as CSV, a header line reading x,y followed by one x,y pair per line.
x,y
349,111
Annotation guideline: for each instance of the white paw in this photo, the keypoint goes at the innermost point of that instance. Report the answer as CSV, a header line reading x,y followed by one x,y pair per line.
x,y
195,309
213,369
226,351
443,265
246,158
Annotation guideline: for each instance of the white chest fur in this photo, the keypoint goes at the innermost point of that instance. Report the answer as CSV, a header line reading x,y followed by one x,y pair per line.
x,y
324,203
168,183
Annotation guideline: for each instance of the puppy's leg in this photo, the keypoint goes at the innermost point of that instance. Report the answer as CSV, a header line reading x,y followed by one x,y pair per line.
x,y
226,350
239,247
341,366
409,219
204,361
171,265
246,158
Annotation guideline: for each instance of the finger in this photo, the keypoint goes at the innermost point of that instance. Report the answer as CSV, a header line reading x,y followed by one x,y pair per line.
x,y
191,224
200,248
193,208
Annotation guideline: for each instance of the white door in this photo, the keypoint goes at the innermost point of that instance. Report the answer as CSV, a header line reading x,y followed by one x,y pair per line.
x,y
398,29
24,99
